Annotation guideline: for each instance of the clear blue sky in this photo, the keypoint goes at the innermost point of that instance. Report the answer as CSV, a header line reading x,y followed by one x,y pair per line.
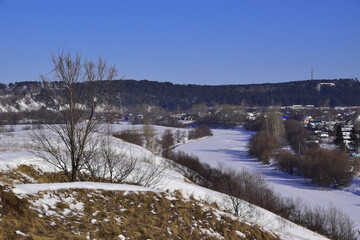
x,y
186,41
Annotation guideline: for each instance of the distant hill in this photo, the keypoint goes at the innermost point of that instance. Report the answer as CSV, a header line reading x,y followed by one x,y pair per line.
x,y
339,92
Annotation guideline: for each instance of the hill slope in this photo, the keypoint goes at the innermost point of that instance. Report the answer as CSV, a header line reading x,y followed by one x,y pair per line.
x,y
35,202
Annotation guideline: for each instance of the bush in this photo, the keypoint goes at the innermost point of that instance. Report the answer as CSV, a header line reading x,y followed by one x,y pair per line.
x,y
287,161
169,122
327,167
262,147
25,128
166,142
202,131
296,135
254,125
193,163
130,136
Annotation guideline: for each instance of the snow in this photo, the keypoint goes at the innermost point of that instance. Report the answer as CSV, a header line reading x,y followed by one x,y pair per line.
x,y
240,234
121,237
25,189
22,104
210,149
18,232
229,147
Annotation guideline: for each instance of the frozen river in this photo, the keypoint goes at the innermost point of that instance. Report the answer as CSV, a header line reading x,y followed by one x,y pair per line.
x,y
230,148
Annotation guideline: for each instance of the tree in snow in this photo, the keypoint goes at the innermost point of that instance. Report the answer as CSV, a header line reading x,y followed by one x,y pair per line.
x,y
68,145
166,142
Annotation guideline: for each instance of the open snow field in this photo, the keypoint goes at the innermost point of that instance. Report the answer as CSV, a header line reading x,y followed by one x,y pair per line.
x,y
229,147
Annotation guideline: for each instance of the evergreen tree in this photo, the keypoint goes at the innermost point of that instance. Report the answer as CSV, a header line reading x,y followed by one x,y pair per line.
x,y
339,140
354,139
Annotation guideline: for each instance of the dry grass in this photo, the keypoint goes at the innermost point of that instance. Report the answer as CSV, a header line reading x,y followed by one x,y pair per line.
x,y
40,176
98,214
107,214
30,174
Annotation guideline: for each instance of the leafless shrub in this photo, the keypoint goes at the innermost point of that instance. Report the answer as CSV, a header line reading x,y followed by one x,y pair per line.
x,y
262,147
26,128
169,122
202,131
245,186
149,137
338,170
180,136
37,126
274,126
339,225
234,185
166,142
287,161
323,166
118,166
131,136
194,170
149,174
328,221
296,135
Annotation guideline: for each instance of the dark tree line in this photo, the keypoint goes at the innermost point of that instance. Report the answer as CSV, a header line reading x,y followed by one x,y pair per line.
x,y
175,96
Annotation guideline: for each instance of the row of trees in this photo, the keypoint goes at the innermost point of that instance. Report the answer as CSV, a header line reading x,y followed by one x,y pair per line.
x,y
174,96
323,166
163,145
201,131
271,135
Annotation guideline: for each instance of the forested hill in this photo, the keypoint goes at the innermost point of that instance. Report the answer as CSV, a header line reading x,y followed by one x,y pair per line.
x,y
340,92
170,96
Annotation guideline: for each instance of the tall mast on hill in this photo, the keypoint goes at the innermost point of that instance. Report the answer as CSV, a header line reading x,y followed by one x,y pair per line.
x,y
312,74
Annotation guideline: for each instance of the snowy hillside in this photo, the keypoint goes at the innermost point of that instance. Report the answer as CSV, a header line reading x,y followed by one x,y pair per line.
x,y
56,202
19,104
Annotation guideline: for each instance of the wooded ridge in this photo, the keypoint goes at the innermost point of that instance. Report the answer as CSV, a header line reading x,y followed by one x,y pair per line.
x,y
338,92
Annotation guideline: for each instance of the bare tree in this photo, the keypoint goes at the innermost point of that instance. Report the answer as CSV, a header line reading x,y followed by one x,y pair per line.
x,y
274,126
149,136
66,145
148,173
233,192
166,142
235,185
116,164
177,136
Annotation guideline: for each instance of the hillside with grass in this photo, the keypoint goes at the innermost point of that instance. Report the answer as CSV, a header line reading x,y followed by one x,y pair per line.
x,y
111,211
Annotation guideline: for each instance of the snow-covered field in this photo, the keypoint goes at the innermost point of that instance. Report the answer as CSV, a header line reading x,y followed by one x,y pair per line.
x,y
230,148
227,146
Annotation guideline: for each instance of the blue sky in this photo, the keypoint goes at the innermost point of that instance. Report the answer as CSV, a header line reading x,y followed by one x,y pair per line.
x,y
186,41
